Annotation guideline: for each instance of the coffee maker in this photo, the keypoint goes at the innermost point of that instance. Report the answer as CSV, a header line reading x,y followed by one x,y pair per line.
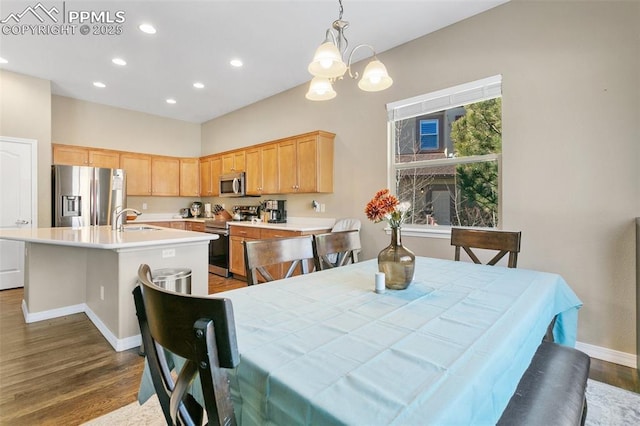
x,y
276,212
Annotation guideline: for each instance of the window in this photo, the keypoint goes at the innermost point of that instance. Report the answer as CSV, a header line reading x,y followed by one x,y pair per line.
x,y
428,134
446,150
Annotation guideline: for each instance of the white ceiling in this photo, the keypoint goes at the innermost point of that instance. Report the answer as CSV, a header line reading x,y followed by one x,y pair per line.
x,y
195,41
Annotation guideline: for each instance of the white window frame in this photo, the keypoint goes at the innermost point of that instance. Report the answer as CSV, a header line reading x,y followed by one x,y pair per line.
x,y
463,94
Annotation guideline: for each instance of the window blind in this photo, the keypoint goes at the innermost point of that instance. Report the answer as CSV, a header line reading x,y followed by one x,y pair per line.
x,y
476,91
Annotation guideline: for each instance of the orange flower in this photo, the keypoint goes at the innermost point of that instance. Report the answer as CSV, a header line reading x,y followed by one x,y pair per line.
x,y
383,203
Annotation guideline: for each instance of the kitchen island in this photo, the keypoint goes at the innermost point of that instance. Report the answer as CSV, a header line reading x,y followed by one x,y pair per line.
x,y
94,269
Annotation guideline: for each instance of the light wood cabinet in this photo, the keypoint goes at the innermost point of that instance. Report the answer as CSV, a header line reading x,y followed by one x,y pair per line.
x,y
194,226
84,156
165,176
189,177
262,170
237,236
210,169
305,163
138,173
300,164
233,162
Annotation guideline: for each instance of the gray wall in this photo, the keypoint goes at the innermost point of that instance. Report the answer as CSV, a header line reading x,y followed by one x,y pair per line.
x,y
571,114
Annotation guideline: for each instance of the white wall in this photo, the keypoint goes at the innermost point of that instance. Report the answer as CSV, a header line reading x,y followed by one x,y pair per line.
x,y
571,132
25,112
76,122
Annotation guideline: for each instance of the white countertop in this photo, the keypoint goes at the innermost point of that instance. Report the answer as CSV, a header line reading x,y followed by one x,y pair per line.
x,y
103,237
300,224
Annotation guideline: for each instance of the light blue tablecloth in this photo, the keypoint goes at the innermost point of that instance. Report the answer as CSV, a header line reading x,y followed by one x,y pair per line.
x,y
324,349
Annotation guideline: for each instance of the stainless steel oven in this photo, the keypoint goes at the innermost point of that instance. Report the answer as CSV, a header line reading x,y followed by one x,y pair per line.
x,y
218,249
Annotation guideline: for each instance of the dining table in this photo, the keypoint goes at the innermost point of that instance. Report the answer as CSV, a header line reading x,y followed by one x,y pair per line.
x,y
325,349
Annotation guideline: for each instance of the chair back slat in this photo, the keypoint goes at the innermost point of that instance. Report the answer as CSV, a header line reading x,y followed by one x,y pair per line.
x,y
335,249
296,252
505,242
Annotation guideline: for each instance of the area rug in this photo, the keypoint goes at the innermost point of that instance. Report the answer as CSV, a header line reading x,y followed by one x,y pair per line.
x,y
608,406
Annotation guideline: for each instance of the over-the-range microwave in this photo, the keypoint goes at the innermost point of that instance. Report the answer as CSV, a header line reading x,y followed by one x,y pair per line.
x,y
232,185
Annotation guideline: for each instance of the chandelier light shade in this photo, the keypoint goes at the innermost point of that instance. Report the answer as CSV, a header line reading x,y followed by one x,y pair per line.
x,y
375,77
328,65
327,62
320,89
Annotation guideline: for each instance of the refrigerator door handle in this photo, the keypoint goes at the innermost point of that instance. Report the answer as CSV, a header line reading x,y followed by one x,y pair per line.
x,y
95,202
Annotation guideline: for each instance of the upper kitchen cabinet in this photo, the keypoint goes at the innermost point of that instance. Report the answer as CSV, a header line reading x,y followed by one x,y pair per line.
x,y
189,177
82,156
165,176
210,169
138,172
233,162
306,163
262,169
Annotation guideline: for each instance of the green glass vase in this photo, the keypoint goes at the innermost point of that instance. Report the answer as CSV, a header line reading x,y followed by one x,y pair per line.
x,y
397,262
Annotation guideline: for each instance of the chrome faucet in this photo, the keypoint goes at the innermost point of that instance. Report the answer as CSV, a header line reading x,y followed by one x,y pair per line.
x,y
116,223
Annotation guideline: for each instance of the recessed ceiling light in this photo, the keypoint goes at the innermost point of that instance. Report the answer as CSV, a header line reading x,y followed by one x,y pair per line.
x,y
147,28
171,101
99,84
198,85
236,63
119,61
3,61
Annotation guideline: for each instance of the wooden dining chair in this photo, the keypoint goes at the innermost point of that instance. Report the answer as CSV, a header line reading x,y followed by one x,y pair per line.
x,y
505,242
275,254
343,245
202,331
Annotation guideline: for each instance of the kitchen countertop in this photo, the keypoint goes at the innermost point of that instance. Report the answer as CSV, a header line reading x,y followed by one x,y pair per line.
x,y
300,224
103,237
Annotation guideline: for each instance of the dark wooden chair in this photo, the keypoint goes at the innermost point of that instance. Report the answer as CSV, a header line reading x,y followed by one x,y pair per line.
x,y
260,255
200,330
505,242
344,247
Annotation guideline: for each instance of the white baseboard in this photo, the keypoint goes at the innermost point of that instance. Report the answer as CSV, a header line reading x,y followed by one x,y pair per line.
x,y
610,355
118,344
53,313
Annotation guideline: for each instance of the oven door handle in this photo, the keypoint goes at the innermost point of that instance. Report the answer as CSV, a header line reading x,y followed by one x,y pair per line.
x,y
223,232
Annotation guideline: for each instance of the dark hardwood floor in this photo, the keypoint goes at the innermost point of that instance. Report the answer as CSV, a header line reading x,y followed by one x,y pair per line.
x,y
62,371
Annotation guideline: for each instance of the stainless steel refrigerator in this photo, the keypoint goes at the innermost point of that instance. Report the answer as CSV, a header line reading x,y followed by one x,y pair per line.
x,y
84,196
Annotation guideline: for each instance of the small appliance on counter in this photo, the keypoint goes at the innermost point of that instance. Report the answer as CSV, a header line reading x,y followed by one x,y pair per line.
x,y
245,213
196,209
276,212
207,210
185,213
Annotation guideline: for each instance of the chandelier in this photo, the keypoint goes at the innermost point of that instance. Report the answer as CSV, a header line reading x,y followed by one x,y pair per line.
x,y
328,65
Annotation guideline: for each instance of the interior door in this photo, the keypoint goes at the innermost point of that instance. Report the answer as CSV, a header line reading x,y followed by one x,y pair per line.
x,y
18,207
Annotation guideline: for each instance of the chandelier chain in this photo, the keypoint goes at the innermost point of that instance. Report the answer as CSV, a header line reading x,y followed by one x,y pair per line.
x,y
341,10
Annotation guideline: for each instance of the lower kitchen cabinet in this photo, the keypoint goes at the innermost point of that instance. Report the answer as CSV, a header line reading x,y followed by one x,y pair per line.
x,y
194,226
237,236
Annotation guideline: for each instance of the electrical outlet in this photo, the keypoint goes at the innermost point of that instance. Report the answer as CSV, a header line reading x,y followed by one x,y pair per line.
x,y
168,253
144,206
101,292
322,207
